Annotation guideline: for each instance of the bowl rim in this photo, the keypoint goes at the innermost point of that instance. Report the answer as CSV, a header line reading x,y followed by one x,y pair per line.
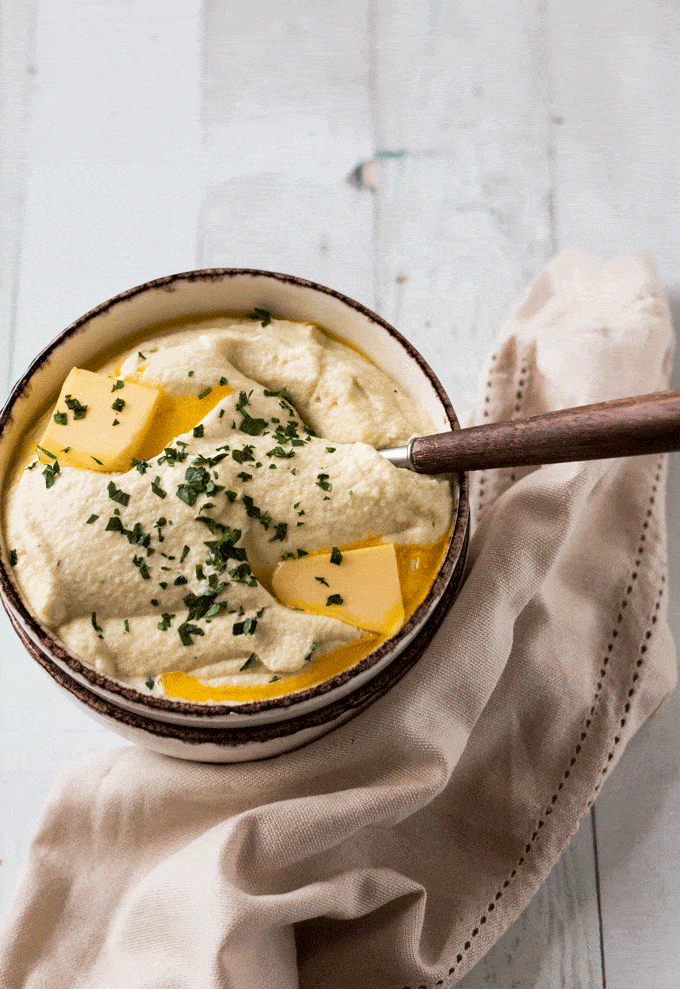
x,y
158,706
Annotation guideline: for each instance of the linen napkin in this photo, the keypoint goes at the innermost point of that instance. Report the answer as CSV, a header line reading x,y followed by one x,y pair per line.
x,y
394,851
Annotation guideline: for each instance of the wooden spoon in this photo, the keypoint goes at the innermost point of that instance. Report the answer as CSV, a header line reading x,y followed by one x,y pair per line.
x,y
626,427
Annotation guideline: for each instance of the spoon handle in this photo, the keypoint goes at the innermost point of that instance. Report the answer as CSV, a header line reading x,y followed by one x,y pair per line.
x,y
623,428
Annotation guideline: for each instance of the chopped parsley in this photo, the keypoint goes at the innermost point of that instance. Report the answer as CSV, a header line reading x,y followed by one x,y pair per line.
x,y
118,384
93,619
186,630
223,381
50,472
92,518
150,683
116,422
97,461
244,455
185,553
141,465
165,624
60,418
336,556
126,625
252,659
115,494
141,355
157,489
198,431
204,394
280,532
253,512
198,482
263,316
118,405
13,558
47,453
322,580
250,426
323,482
334,599
330,449
246,627
242,476
79,411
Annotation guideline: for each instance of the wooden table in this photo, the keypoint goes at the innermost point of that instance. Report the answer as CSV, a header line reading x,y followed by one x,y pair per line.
x,y
426,159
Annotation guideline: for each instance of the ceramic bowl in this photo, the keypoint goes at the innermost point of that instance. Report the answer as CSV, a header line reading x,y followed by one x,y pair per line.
x,y
231,732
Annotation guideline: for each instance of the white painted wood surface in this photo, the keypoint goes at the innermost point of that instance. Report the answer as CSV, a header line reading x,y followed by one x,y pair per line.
x,y
138,139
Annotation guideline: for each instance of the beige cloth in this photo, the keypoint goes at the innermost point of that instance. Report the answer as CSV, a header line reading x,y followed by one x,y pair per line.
x,y
395,851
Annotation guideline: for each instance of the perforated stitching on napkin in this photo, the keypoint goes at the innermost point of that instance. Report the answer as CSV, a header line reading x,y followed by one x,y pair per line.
x,y
482,479
500,479
584,734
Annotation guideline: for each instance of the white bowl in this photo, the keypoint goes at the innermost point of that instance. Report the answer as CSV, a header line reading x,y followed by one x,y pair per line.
x,y
231,732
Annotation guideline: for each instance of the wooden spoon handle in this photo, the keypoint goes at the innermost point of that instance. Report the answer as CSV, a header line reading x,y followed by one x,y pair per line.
x,y
623,428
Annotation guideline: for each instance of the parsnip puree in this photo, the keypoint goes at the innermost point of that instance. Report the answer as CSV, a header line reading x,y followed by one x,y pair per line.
x,y
171,534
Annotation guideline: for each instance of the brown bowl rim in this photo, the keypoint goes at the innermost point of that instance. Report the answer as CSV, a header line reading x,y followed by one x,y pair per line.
x,y
14,604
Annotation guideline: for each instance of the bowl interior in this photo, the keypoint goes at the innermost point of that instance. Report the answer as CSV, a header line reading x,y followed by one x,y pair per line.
x,y
209,292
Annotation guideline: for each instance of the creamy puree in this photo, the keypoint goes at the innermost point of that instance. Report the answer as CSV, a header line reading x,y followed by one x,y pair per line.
x,y
161,575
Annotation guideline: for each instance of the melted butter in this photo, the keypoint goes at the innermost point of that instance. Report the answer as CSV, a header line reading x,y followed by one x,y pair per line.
x,y
175,416
418,566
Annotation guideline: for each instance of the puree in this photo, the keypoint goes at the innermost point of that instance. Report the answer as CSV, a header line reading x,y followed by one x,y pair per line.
x,y
178,572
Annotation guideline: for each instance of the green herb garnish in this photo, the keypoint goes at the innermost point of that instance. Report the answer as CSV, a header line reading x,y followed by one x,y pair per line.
x,y
157,489
204,394
246,627
323,482
79,411
260,315
280,532
322,580
117,385
115,494
186,630
334,599
92,518
93,619
198,431
252,659
60,418
13,558
223,381
118,405
336,556
50,472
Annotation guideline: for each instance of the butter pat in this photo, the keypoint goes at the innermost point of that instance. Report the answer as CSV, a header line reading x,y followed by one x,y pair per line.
x,y
366,581
89,439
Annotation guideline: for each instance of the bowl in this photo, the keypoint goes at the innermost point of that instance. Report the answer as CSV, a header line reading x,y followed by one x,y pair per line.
x,y
232,732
